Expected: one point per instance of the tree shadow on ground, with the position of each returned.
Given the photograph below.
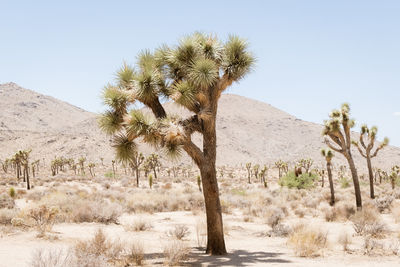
(236, 258)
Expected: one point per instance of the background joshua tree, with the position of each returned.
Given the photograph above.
(153, 163)
(338, 129)
(365, 150)
(282, 167)
(306, 164)
(328, 155)
(194, 74)
(263, 173)
(248, 168)
(256, 170)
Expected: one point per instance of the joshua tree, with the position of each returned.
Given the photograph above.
(365, 150)
(256, 170)
(91, 169)
(113, 168)
(282, 167)
(81, 162)
(151, 181)
(248, 168)
(194, 74)
(153, 163)
(394, 175)
(135, 160)
(328, 155)
(199, 182)
(263, 173)
(338, 128)
(306, 164)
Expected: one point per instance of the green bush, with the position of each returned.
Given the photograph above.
(303, 181)
(11, 192)
(344, 182)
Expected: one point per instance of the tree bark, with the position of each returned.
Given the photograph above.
(371, 177)
(215, 229)
(329, 169)
(356, 183)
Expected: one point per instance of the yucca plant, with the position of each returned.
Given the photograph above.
(338, 130)
(328, 155)
(193, 74)
(365, 150)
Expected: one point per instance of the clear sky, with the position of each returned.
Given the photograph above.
(311, 55)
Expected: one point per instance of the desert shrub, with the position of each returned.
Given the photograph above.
(179, 232)
(345, 210)
(300, 212)
(344, 240)
(344, 182)
(92, 211)
(52, 258)
(136, 253)
(303, 181)
(6, 215)
(44, 218)
(6, 201)
(138, 225)
(97, 250)
(279, 230)
(367, 222)
(306, 241)
(11, 192)
(330, 214)
(396, 212)
(383, 203)
(275, 216)
(175, 253)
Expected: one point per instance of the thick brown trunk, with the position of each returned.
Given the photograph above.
(356, 183)
(137, 177)
(371, 177)
(329, 169)
(215, 229)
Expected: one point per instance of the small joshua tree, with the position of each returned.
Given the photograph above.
(338, 130)
(263, 174)
(91, 169)
(282, 167)
(365, 150)
(328, 155)
(150, 181)
(153, 163)
(248, 168)
(306, 164)
(256, 170)
(193, 74)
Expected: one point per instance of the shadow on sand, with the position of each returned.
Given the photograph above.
(236, 258)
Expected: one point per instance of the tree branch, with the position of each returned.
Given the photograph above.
(332, 147)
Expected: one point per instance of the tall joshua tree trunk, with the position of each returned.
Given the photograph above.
(329, 169)
(356, 183)
(371, 177)
(215, 229)
(338, 129)
(365, 150)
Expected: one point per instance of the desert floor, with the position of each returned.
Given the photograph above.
(166, 224)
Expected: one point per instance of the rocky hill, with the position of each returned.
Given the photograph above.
(248, 131)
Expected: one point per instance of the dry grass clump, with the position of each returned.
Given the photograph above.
(383, 204)
(179, 232)
(136, 254)
(44, 218)
(6, 201)
(344, 240)
(52, 258)
(101, 212)
(6, 215)
(98, 250)
(344, 210)
(138, 225)
(306, 241)
(396, 211)
(176, 253)
(367, 222)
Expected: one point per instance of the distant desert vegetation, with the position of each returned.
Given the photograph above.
(83, 207)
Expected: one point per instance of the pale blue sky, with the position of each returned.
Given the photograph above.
(311, 55)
